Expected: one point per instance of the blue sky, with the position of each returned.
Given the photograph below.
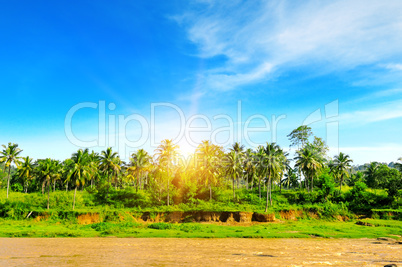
(336, 65)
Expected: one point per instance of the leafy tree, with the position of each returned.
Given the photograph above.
(398, 165)
(9, 155)
(355, 177)
(299, 136)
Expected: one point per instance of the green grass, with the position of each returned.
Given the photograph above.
(288, 229)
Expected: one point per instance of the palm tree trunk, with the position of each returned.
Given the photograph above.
(210, 193)
(270, 190)
(234, 195)
(259, 186)
(340, 187)
(75, 192)
(66, 186)
(54, 186)
(43, 187)
(266, 204)
(312, 183)
(168, 187)
(92, 182)
(108, 184)
(8, 179)
(48, 195)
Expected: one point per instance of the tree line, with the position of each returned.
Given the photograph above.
(210, 169)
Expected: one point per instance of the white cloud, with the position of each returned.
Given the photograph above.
(330, 35)
(384, 111)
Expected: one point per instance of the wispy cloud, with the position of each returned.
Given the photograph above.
(330, 36)
(381, 112)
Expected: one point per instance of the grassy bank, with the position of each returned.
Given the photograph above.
(287, 229)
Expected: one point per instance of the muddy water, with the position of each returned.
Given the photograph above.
(197, 252)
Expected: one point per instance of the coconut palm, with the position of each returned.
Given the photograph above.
(209, 156)
(342, 164)
(259, 164)
(233, 167)
(239, 150)
(9, 155)
(79, 170)
(93, 166)
(25, 171)
(139, 164)
(166, 154)
(249, 167)
(273, 165)
(309, 163)
(371, 175)
(47, 171)
(110, 165)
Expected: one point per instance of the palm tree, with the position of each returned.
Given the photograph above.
(25, 171)
(166, 153)
(139, 164)
(342, 164)
(209, 154)
(109, 164)
(9, 155)
(233, 167)
(309, 163)
(260, 170)
(93, 166)
(371, 176)
(249, 167)
(239, 150)
(46, 171)
(78, 170)
(273, 164)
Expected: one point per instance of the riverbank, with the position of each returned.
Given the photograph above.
(366, 228)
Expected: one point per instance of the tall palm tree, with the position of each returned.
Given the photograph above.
(273, 164)
(79, 170)
(309, 163)
(239, 150)
(9, 155)
(209, 156)
(25, 171)
(110, 165)
(139, 164)
(47, 173)
(371, 175)
(166, 153)
(233, 166)
(260, 166)
(342, 164)
(93, 166)
(249, 166)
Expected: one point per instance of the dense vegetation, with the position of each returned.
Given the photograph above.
(212, 179)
